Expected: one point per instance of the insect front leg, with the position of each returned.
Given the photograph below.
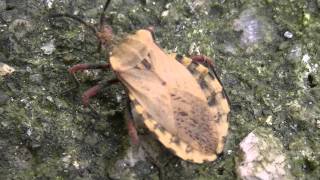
(81, 67)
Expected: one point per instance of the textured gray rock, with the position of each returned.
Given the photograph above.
(45, 133)
(263, 157)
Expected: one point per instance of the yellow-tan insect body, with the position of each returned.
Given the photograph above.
(181, 102)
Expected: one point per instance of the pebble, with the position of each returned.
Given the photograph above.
(5, 69)
(288, 34)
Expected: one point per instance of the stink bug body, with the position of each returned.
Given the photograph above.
(178, 99)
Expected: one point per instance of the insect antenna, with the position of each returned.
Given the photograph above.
(101, 22)
(102, 17)
(92, 28)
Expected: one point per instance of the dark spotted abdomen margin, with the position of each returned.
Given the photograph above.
(217, 99)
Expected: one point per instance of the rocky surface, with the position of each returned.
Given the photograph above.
(265, 51)
(263, 157)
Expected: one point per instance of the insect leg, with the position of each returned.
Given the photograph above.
(81, 67)
(203, 60)
(134, 138)
(95, 90)
(132, 131)
(92, 28)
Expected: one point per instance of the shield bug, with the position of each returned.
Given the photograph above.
(179, 99)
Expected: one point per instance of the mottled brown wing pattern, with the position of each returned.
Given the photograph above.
(187, 150)
(216, 98)
(194, 121)
(202, 128)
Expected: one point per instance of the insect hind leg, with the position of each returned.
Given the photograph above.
(81, 67)
(93, 91)
(203, 60)
(132, 131)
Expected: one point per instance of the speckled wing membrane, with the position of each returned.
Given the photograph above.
(218, 104)
(216, 97)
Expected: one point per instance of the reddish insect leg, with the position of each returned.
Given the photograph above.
(95, 90)
(90, 93)
(132, 131)
(203, 60)
(81, 67)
